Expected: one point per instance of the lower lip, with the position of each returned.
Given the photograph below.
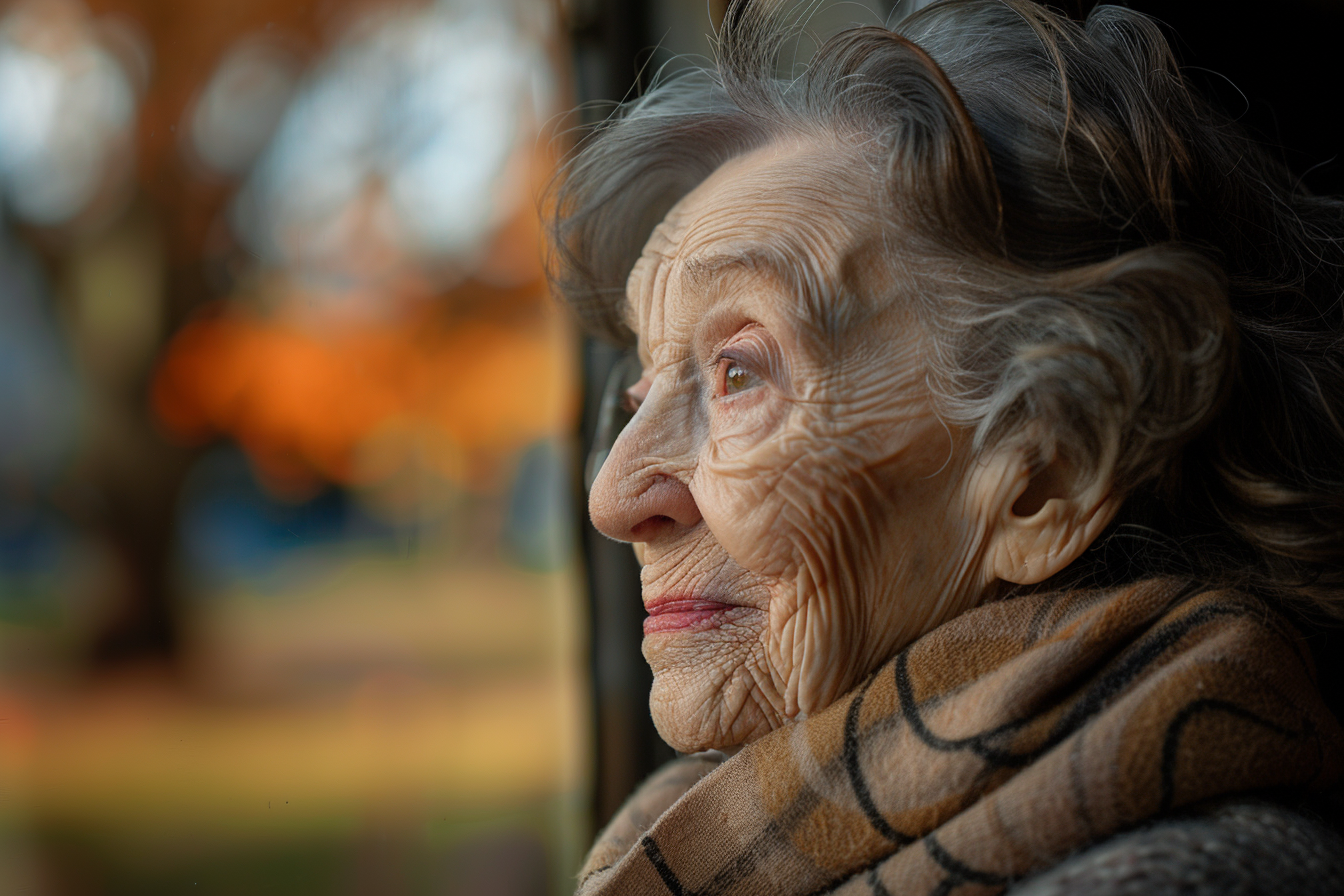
(684, 615)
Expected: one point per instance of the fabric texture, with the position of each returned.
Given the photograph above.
(989, 750)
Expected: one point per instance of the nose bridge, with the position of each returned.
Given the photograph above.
(665, 424)
(659, 441)
(647, 474)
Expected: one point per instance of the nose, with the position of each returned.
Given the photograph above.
(662, 506)
(641, 493)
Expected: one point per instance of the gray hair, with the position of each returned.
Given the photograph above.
(1104, 262)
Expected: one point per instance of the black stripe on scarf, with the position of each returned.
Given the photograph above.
(856, 781)
(655, 857)
(1147, 651)
(959, 872)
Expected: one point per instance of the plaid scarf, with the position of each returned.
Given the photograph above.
(989, 749)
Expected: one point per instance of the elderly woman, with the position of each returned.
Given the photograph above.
(986, 464)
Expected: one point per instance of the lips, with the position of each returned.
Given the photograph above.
(672, 614)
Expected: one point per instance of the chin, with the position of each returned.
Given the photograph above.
(692, 719)
(712, 683)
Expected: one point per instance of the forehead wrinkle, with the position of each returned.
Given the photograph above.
(822, 211)
(644, 280)
(664, 337)
(706, 274)
(809, 255)
(814, 285)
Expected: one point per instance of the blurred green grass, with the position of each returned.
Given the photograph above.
(382, 727)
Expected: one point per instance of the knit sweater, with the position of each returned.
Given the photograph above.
(1247, 847)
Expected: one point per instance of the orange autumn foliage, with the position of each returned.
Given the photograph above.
(304, 404)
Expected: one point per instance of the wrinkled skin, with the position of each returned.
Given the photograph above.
(789, 467)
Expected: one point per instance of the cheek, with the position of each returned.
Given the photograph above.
(739, 498)
(813, 480)
(782, 502)
(738, 474)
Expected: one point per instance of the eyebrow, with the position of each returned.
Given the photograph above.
(815, 290)
(705, 272)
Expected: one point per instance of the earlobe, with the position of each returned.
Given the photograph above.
(1044, 519)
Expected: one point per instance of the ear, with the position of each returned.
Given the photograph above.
(1042, 515)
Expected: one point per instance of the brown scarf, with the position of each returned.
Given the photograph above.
(989, 749)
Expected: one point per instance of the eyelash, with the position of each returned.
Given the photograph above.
(631, 398)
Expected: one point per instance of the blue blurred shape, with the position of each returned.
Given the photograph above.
(33, 544)
(539, 532)
(38, 393)
(232, 529)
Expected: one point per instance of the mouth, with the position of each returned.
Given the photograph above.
(680, 614)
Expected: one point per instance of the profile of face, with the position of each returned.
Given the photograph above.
(800, 509)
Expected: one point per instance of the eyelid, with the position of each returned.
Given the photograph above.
(755, 349)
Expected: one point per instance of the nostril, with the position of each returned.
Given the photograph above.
(650, 524)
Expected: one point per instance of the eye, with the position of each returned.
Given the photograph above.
(733, 377)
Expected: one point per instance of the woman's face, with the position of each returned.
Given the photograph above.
(800, 510)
